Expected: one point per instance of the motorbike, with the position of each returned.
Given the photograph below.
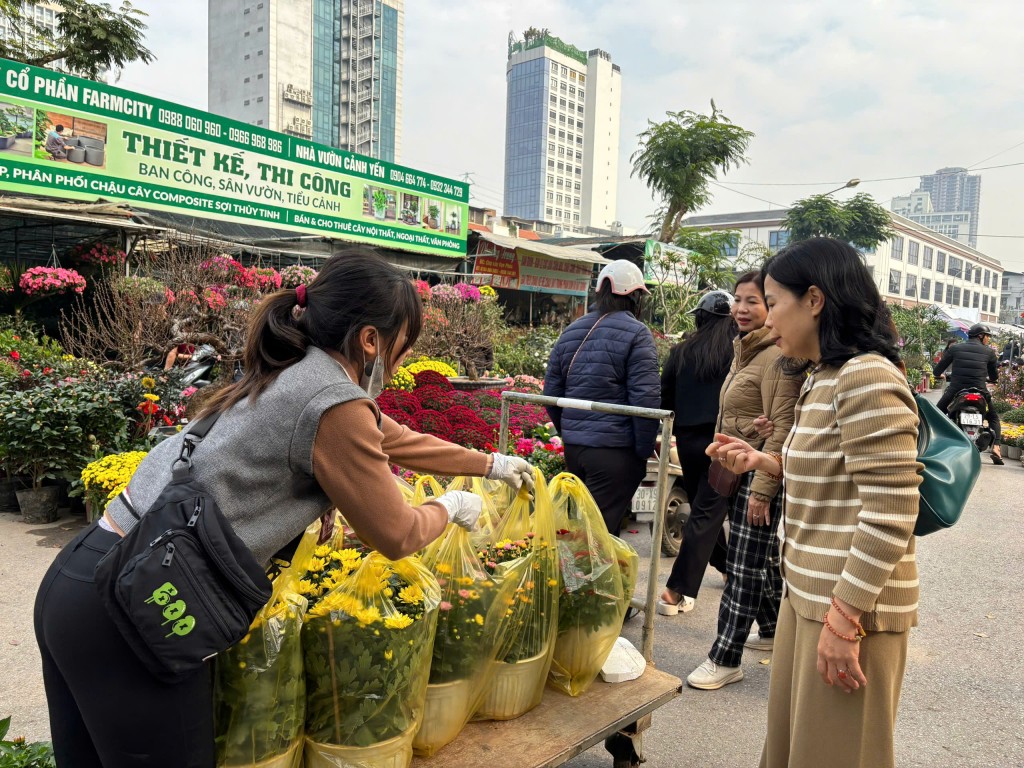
(969, 411)
(196, 372)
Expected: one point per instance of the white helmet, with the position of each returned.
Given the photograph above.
(624, 276)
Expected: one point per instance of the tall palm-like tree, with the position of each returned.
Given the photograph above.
(678, 157)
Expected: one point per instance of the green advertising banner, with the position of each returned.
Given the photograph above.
(126, 147)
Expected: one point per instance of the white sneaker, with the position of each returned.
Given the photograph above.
(710, 677)
(685, 605)
(758, 643)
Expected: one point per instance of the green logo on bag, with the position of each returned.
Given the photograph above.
(173, 611)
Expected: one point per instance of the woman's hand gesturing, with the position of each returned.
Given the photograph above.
(738, 456)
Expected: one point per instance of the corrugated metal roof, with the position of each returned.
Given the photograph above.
(563, 253)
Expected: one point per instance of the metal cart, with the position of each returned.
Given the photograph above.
(562, 726)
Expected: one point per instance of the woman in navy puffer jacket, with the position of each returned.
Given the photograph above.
(608, 356)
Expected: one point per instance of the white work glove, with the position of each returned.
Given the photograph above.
(463, 508)
(511, 470)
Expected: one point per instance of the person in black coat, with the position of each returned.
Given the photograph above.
(691, 384)
(974, 365)
(607, 356)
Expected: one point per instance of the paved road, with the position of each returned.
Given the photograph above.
(963, 703)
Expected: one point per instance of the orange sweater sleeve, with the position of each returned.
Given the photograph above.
(351, 464)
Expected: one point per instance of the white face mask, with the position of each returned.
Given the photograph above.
(373, 382)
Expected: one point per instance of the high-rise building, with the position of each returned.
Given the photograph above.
(917, 206)
(326, 70)
(954, 190)
(561, 134)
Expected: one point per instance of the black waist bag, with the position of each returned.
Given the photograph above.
(181, 586)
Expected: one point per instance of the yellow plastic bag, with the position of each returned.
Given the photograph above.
(259, 695)
(524, 553)
(366, 646)
(592, 603)
(487, 525)
(629, 566)
(472, 625)
(425, 489)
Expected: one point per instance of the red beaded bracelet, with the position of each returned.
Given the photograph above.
(834, 631)
(856, 624)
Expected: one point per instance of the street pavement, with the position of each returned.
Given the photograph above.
(962, 706)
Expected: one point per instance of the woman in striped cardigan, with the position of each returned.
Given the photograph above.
(851, 501)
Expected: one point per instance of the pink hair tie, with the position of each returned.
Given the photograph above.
(300, 295)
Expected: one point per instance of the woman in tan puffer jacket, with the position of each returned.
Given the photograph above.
(757, 388)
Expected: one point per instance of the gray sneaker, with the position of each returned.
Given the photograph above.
(758, 643)
(710, 677)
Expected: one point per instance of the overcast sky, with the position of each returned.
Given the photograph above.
(832, 90)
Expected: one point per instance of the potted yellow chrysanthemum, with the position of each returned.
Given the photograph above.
(367, 646)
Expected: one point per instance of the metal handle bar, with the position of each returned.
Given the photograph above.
(666, 418)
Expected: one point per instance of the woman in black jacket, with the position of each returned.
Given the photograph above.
(690, 385)
(607, 356)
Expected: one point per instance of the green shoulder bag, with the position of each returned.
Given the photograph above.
(951, 468)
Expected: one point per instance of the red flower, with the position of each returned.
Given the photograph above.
(47, 370)
(148, 408)
(15, 355)
(434, 423)
(432, 378)
(434, 398)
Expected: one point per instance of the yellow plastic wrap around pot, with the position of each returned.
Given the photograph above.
(393, 753)
(472, 625)
(524, 553)
(593, 599)
(259, 688)
(629, 566)
(366, 645)
(487, 524)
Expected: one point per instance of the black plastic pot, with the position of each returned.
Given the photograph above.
(38, 505)
(8, 497)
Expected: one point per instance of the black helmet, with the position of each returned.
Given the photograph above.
(978, 330)
(715, 303)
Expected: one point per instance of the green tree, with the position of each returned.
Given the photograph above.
(860, 220)
(679, 157)
(679, 278)
(922, 332)
(752, 256)
(90, 37)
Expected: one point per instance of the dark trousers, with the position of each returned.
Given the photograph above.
(703, 537)
(106, 709)
(754, 589)
(612, 476)
(993, 418)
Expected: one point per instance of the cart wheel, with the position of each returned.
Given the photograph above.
(677, 512)
(621, 748)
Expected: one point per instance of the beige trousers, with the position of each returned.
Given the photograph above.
(811, 724)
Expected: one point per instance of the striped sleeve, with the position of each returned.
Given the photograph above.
(878, 425)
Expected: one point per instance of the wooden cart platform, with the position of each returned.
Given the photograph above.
(560, 728)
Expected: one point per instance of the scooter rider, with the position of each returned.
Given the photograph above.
(974, 366)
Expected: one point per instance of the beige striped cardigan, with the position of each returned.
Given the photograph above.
(851, 484)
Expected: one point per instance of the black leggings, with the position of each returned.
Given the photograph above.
(106, 709)
(612, 476)
(703, 535)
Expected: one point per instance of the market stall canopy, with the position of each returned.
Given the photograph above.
(532, 266)
(33, 229)
(538, 248)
